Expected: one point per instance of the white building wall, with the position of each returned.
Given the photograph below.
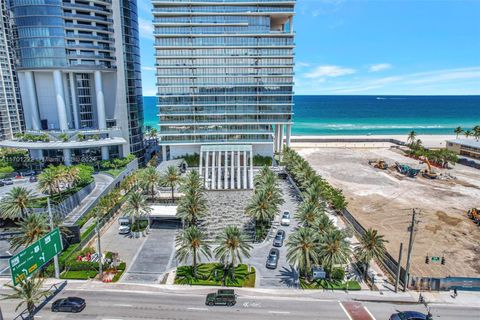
(46, 97)
(110, 86)
(26, 103)
(177, 151)
(263, 150)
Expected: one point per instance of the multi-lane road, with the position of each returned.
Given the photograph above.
(127, 304)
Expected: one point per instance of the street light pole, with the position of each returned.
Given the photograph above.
(55, 258)
(410, 248)
(99, 248)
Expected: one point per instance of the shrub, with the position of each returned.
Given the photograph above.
(79, 275)
(6, 171)
(81, 265)
(192, 160)
(117, 276)
(338, 274)
(261, 161)
(122, 266)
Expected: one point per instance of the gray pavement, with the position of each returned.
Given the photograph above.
(155, 256)
(20, 183)
(285, 276)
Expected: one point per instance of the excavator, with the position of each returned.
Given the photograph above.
(428, 173)
(474, 214)
(379, 164)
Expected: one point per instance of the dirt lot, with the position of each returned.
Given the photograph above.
(383, 200)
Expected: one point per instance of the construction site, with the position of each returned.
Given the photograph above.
(383, 185)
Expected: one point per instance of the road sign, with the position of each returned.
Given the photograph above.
(35, 256)
(435, 259)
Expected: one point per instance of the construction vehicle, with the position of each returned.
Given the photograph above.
(429, 172)
(406, 170)
(379, 164)
(474, 214)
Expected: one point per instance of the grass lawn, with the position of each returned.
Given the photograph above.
(331, 285)
(79, 275)
(210, 274)
(113, 172)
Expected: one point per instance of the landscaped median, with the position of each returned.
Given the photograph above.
(330, 284)
(211, 274)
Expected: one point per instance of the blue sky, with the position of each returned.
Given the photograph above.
(403, 47)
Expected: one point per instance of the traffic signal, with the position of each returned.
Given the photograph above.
(443, 261)
(427, 259)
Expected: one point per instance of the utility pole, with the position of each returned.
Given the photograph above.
(410, 248)
(55, 258)
(100, 263)
(397, 279)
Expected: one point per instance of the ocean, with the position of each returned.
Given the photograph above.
(374, 115)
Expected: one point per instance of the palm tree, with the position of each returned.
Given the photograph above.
(193, 205)
(16, 203)
(458, 131)
(411, 137)
(171, 179)
(149, 180)
(192, 181)
(48, 181)
(476, 132)
(261, 208)
(192, 242)
(308, 213)
(32, 228)
(29, 292)
(372, 246)
(72, 175)
(302, 251)
(334, 249)
(232, 246)
(468, 134)
(153, 133)
(136, 207)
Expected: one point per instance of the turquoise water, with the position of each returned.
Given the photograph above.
(375, 115)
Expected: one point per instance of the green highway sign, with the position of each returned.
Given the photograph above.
(35, 256)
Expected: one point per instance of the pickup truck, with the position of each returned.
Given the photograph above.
(224, 297)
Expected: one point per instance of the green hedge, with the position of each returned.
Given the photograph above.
(260, 161)
(82, 265)
(79, 275)
(118, 275)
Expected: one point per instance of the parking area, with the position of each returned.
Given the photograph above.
(19, 183)
(4, 256)
(284, 276)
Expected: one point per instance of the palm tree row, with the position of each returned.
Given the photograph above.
(193, 204)
(310, 183)
(441, 157)
(266, 200)
(52, 178)
(475, 132)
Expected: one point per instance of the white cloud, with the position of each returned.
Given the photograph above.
(145, 28)
(379, 67)
(146, 68)
(301, 64)
(328, 71)
(149, 92)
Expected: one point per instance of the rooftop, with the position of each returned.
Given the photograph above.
(466, 142)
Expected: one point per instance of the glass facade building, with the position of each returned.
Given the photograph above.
(79, 73)
(224, 73)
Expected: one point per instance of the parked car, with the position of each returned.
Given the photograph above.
(285, 219)
(33, 179)
(70, 304)
(410, 315)
(124, 223)
(7, 181)
(225, 297)
(124, 230)
(2, 184)
(279, 237)
(272, 259)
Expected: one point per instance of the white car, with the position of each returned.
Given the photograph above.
(285, 219)
(124, 230)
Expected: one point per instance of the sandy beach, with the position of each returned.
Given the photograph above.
(383, 199)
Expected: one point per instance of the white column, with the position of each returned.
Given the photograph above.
(214, 181)
(102, 122)
(219, 167)
(60, 96)
(73, 95)
(251, 170)
(32, 96)
(105, 154)
(67, 157)
(200, 169)
(245, 166)
(239, 166)
(289, 133)
(232, 170)
(207, 170)
(225, 171)
(280, 147)
(275, 139)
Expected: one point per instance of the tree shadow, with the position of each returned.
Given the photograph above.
(288, 276)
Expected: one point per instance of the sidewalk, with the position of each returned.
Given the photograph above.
(464, 298)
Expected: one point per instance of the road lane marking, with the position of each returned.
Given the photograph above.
(112, 319)
(279, 312)
(123, 305)
(368, 311)
(198, 309)
(4, 270)
(344, 310)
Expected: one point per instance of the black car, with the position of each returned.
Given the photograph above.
(410, 315)
(225, 297)
(70, 304)
(272, 259)
(279, 237)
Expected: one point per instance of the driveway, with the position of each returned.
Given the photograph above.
(284, 276)
(155, 256)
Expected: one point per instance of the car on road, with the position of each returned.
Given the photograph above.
(2, 184)
(33, 179)
(272, 259)
(70, 304)
(285, 219)
(7, 181)
(410, 315)
(279, 237)
(223, 297)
